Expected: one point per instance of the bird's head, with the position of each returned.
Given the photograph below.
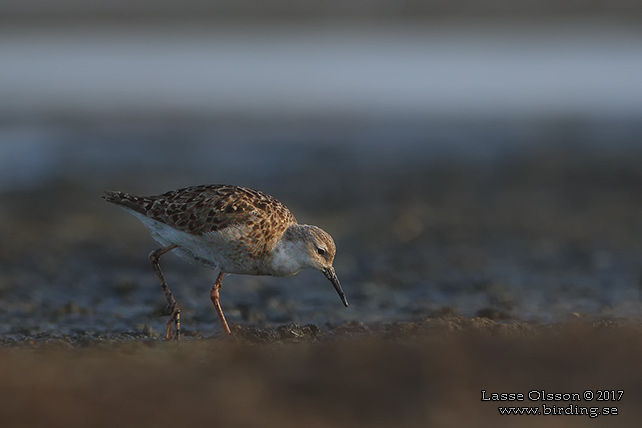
(307, 247)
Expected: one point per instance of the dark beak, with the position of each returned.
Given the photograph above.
(329, 273)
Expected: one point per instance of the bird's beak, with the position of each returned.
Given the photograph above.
(332, 276)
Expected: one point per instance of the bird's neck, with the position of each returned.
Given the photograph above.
(285, 258)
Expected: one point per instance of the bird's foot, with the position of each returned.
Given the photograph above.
(174, 312)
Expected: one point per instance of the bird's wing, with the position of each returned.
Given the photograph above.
(210, 208)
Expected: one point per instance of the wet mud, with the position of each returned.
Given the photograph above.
(508, 268)
(434, 371)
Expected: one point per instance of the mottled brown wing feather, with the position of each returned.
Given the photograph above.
(210, 208)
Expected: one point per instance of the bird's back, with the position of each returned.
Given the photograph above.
(206, 209)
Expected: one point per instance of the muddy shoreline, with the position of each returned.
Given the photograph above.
(408, 374)
(537, 235)
(505, 267)
(442, 325)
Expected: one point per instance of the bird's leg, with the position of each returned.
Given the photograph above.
(172, 307)
(214, 297)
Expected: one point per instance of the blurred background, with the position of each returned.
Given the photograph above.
(478, 158)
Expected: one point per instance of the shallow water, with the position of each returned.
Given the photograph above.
(449, 69)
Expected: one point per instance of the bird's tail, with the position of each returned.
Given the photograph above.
(113, 197)
(126, 200)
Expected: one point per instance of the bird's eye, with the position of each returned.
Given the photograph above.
(321, 251)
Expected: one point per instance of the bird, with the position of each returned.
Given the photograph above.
(232, 230)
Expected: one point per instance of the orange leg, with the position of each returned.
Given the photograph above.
(172, 307)
(214, 296)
